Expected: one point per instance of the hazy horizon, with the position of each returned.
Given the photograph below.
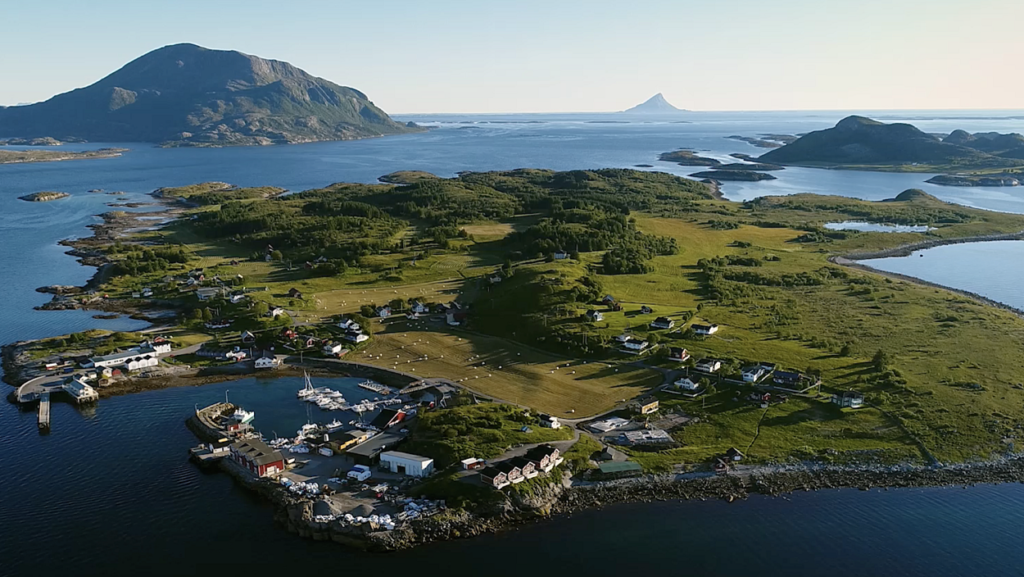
(459, 57)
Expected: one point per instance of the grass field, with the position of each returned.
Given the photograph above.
(526, 376)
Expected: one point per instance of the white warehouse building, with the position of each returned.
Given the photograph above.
(407, 463)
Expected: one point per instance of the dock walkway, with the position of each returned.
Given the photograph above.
(44, 411)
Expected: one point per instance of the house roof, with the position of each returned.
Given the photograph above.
(376, 445)
(491, 472)
(407, 456)
(663, 320)
(257, 451)
(506, 466)
(539, 452)
(386, 418)
(520, 462)
(850, 395)
(787, 376)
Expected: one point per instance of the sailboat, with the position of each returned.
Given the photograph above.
(307, 390)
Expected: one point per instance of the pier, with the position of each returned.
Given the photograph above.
(44, 411)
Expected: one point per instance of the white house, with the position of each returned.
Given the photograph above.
(275, 312)
(594, 316)
(495, 279)
(147, 292)
(332, 348)
(637, 345)
(686, 384)
(143, 361)
(267, 363)
(235, 299)
(561, 255)
(550, 422)
(383, 312)
(662, 323)
(753, 374)
(207, 293)
(355, 336)
(704, 329)
(406, 463)
(160, 347)
(140, 357)
(622, 338)
(420, 308)
(708, 365)
(351, 325)
(80, 391)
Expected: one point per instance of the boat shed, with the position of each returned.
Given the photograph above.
(407, 463)
(368, 452)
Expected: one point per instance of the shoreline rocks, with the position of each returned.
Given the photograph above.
(46, 196)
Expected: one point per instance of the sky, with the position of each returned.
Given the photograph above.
(486, 56)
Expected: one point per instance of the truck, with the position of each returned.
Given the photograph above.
(359, 473)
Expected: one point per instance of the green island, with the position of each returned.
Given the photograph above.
(19, 156)
(45, 196)
(717, 330)
(859, 143)
(553, 267)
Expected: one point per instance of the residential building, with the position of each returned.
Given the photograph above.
(294, 293)
(248, 338)
(512, 472)
(787, 378)
(608, 299)
(634, 345)
(349, 325)
(495, 279)
(420, 308)
(544, 457)
(687, 384)
(455, 317)
(207, 293)
(330, 349)
(407, 464)
(473, 464)
(235, 299)
(646, 310)
(526, 467)
(494, 477)
(662, 323)
(645, 405)
(257, 457)
(708, 365)
(267, 363)
(678, 354)
(80, 391)
(705, 330)
(753, 374)
(147, 292)
(355, 336)
(561, 255)
(734, 454)
(594, 316)
(383, 312)
(849, 399)
(549, 421)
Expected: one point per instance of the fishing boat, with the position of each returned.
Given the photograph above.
(334, 425)
(308, 390)
(242, 416)
(307, 430)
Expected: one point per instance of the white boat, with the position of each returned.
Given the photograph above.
(243, 416)
(324, 402)
(308, 390)
(334, 425)
(306, 430)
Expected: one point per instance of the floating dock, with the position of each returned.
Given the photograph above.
(44, 411)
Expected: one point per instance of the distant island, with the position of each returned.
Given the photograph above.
(46, 196)
(737, 175)
(857, 142)
(766, 140)
(654, 105)
(18, 156)
(687, 158)
(40, 141)
(186, 95)
(974, 180)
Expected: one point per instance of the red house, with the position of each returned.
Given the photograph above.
(257, 457)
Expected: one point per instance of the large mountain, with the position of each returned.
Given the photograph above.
(654, 105)
(856, 140)
(188, 95)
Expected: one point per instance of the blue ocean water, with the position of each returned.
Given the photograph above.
(110, 491)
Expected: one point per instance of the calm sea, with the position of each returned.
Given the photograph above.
(109, 491)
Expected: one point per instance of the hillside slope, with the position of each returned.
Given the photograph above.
(188, 95)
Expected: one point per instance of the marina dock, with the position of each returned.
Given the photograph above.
(44, 411)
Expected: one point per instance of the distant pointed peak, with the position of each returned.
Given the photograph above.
(655, 104)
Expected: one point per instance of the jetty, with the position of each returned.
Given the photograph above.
(375, 387)
(44, 411)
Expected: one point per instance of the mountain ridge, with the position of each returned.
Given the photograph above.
(187, 95)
